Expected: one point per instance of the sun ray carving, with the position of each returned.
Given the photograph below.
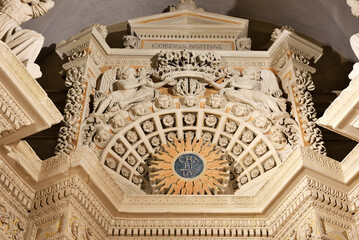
(189, 168)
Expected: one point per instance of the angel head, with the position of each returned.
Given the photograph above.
(163, 101)
(126, 73)
(241, 110)
(190, 100)
(278, 137)
(118, 121)
(139, 109)
(252, 73)
(216, 100)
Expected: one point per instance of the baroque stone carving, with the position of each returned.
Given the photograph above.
(243, 44)
(127, 89)
(263, 94)
(186, 4)
(11, 227)
(278, 31)
(187, 70)
(72, 112)
(127, 97)
(131, 42)
(303, 86)
(26, 44)
(12, 116)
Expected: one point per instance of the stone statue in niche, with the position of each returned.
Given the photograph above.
(256, 88)
(127, 88)
(25, 44)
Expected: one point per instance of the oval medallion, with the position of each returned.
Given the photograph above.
(189, 165)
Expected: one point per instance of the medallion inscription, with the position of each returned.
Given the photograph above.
(189, 165)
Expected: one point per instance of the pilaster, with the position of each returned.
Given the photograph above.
(85, 54)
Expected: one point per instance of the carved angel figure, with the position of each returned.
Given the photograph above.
(130, 89)
(26, 44)
(247, 89)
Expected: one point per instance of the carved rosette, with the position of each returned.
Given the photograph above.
(189, 167)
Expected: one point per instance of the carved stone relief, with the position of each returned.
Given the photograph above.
(138, 113)
(11, 227)
(72, 112)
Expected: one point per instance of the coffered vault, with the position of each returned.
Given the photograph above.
(185, 132)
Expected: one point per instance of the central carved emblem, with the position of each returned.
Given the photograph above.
(189, 167)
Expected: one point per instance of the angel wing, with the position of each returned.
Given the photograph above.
(269, 84)
(107, 80)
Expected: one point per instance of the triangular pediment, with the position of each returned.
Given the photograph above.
(190, 27)
(189, 17)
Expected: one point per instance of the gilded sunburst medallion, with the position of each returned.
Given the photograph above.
(189, 168)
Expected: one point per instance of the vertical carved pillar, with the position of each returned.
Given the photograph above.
(297, 82)
(85, 54)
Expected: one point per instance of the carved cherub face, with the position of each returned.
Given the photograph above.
(127, 73)
(163, 102)
(261, 122)
(252, 73)
(240, 110)
(278, 137)
(189, 101)
(118, 121)
(139, 109)
(215, 101)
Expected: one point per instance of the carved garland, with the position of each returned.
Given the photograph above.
(73, 109)
(307, 113)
